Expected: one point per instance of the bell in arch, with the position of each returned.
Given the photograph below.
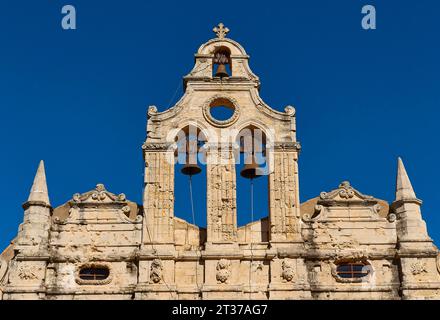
(191, 167)
(221, 71)
(251, 169)
(221, 58)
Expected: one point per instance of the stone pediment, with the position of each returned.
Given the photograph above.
(99, 196)
(344, 193)
(345, 203)
(97, 204)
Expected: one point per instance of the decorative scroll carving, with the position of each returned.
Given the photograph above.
(27, 273)
(392, 217)
(152, 110)
(418, 267)
(100, 194)
(290, 110)
(125, 215)
(223, 270)
(156, 269)
(345, 192)
(288, 270)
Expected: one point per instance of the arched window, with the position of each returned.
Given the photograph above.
(352, 270)
(252, 176)
(190, 176)
(94, 273)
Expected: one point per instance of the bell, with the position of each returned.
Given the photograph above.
(250, 170)
(190, 169)
(221, 71)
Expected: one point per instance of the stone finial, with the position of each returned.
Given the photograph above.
(404, 189)
(39, 191)
(221, 31)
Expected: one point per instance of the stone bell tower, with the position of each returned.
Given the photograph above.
(221, 77)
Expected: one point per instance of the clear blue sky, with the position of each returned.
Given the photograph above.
(78, 99)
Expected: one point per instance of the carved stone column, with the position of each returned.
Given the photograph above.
(221, 194)
(159, 193)
(283, 194)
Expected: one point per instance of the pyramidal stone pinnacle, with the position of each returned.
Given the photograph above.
(404, 189)
(39, 191)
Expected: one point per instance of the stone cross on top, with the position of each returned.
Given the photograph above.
(221, 31)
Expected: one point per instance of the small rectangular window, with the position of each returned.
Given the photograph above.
(352, 270)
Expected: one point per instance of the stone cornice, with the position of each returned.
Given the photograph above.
(157, 146)
(287, 146)
(28, 204)
(399, 203)
(33, 257)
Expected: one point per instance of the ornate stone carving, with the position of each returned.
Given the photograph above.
(157, 146)
(290, 110)
(285, 146)
(221, 196)
(126, 210)
(392, 217)
(221, 31)
(418, 267)
(221, 123)
(156, 269)
(223, 270)
(345, 191)
(100, 194)
(288, 270)
(27, 273)
(152, 110)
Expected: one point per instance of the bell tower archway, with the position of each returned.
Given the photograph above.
(221, 98)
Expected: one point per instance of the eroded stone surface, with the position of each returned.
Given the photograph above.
(293, 253)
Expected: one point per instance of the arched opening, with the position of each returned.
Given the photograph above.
(352, 269)
(94, 273)
(221, 63)
(190, 176)
(252, 171)
(221, 110)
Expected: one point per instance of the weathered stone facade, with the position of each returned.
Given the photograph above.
(340, 245)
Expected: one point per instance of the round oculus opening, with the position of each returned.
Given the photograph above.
(221, 110)
(221, 113)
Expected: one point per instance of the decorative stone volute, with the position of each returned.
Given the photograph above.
(345, 192)
(98, 195)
